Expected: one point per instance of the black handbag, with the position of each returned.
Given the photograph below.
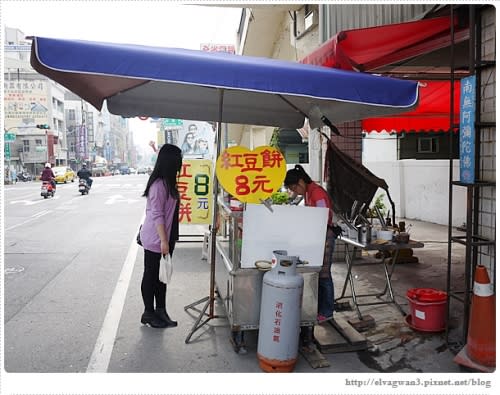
(138, 238)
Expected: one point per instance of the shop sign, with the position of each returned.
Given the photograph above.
(166, 122)
(25, 99)
(6, 151)
(251, 176)
(195, 189)
(82, 142)
(210, 47)
(9, 137)
(467, 130)
(17, 48)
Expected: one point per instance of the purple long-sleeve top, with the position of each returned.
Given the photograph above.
(160, 209)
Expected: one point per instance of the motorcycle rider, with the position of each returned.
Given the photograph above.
(48, 175)
(85, 174)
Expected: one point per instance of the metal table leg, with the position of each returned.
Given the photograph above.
(349, 257)
(388, 284)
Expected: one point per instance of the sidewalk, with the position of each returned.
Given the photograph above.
(393, 346)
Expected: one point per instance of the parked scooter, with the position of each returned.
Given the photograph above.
(24, 176)
(47, 190)
(83, 186)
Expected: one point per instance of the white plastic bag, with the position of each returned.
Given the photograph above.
(166, 269)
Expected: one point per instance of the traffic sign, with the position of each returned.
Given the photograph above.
(9, 137)
(172, 122)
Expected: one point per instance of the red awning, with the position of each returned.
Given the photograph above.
(369, 48)
(432, 113)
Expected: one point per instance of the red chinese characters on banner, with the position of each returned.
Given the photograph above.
(185, 209)
(278, 314)
(251, 176)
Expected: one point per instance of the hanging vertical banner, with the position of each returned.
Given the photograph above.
(82, 143)
(467, 130)
(6, 150)
(195, 189)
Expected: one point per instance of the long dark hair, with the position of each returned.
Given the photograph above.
(167, 167)
(294, 175)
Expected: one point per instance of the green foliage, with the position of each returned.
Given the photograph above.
(279, 197)
(379, 203)
(275, 138)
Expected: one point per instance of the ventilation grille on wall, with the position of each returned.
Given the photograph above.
(305, 19)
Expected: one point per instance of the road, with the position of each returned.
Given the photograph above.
(63, 258)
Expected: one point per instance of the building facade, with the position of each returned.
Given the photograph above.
(420, 186)
(50, 123)
(296, 31)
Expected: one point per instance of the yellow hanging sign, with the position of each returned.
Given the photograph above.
(250, 176)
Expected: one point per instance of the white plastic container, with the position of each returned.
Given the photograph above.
(385, 235)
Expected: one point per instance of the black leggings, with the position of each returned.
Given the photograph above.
(153, 289)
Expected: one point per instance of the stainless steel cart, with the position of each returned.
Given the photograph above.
(240, 288)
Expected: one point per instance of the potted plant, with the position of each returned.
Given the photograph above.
(378, 203)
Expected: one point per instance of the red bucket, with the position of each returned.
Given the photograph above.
(427, 309)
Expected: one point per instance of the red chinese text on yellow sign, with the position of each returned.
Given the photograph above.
(251, 175)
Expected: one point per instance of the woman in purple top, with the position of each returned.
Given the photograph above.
(159, 232)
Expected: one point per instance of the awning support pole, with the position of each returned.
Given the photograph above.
(209, 300)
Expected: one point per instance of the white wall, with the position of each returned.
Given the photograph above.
(419, 189)
(379, 147)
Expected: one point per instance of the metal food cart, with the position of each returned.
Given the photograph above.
(240, 286)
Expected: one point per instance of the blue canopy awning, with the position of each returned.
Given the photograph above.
(139, 80)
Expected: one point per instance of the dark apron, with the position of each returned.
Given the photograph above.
(174, 229)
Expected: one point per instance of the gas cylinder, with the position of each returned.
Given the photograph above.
(280, 310)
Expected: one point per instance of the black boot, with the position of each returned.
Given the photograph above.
(151, 319)
(162, 313)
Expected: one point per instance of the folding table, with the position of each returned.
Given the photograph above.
(388, 264)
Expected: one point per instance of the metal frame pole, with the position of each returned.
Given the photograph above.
(209, 300)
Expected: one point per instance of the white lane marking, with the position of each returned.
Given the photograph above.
(99, 360)
(32, 202)
(27, 202)
(32, 218)
(40, 214)
(119, 198)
